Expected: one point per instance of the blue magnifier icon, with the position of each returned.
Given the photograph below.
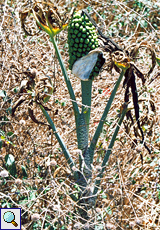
(9, 217)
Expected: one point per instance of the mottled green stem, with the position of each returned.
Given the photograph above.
(86, 87)
(103, 118)
(67, 80)
(106, 157)
(83, 127)
(59, 139)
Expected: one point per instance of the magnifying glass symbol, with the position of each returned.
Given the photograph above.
(9, 217)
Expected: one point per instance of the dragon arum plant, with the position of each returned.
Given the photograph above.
(85, 60)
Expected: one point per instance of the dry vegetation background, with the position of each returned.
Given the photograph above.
(39, 179)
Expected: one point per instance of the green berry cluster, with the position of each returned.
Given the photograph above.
(82, 38)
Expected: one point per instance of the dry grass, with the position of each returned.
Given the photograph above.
(130, 192)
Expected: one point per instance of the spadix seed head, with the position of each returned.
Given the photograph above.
(82, 38)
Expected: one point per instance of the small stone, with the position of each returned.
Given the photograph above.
(78, 151)
(138, 221)
(138, 149)
(53, 163)
(132, 224)
(4, 173)
(22, 122)
(74, 169)
(18, 181)
(35, 217)
(110, 226)
(98, 210)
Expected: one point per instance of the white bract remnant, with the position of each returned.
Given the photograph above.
(83, 67)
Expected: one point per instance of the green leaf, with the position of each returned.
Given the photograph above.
(6, 204)
(10, 163)
(32, 196)
(16, 90)
(25, 175)
(9, 110)
(0, 144)
(108, 210)
(12, 169)
(2, 93)
(2, 133)
(9, 134)
(39, 168)
(9, 158)
(100, 91)
(31, 92)
(63, 103)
